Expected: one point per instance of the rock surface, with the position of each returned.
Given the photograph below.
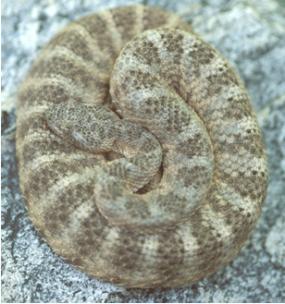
(251, 34)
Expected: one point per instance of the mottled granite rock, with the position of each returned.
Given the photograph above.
(275, 242)
(252, 35)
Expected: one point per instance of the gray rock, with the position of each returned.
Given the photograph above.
(252, 35)
(275, 242)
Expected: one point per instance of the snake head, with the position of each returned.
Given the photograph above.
(61, 119)
(86, 126)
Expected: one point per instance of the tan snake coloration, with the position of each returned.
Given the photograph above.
(140, 157)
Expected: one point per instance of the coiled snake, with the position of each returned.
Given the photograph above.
(140, 157)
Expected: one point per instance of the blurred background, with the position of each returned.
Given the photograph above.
(251, 34)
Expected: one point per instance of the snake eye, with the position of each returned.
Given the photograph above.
(79, 138)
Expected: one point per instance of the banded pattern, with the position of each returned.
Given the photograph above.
(140, 157)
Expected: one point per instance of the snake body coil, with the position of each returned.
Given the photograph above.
(139, 153)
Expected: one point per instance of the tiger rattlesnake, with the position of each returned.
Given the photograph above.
(140, 157)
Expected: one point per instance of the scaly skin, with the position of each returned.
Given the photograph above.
(140, 157)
